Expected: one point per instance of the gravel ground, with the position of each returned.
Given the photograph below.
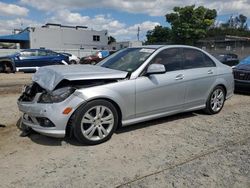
(185, 150)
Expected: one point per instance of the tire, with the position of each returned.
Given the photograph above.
(2, 68)
(215, 101)
(8, 68)
(92, 62)
(91, 129)
(72, 62)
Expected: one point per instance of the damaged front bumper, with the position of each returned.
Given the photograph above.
(48, 118)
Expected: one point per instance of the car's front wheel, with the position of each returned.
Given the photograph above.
(72, 62)
(95, 122)
(215, 101)
(2, 68)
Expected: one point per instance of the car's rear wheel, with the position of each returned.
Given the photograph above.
(95, 122)
(215, 101)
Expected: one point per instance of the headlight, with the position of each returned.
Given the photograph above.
(58, 95)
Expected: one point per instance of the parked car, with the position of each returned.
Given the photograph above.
(73, 59)
(31, 60)
(228, 59)
(95, 58)
(131, 86)
(242, 75)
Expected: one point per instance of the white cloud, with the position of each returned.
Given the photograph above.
(117, 29)
(67, 12)
(153, 8)
(7, 26)
(130, 33)
(120, 31)
(12, 10)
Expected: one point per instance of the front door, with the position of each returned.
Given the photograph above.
(162, 93)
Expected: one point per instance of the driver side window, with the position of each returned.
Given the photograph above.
(170, 58)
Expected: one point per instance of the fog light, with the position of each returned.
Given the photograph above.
(27, 117)
(45, 122)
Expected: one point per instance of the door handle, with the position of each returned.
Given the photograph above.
(179, 77)
(210, 71)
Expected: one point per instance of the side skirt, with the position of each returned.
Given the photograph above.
(159, 115)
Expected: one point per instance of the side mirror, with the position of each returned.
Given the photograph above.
(156, 69)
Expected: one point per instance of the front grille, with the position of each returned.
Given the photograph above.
(241, 75)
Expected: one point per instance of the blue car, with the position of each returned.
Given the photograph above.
(31, 60)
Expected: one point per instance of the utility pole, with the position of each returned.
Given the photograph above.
(138, 33)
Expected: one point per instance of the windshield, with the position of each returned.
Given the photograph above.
(128, 59)
(245, 61)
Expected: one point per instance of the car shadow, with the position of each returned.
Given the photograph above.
(64, 142)
(49, 141)
(156, 122)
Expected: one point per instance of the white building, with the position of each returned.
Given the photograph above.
(57, 36)
(124, 44)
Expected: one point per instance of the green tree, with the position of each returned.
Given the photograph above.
(235, 26)
(237, 22)
(242, 20)
(189, 24)
(158, 35)
(111, 39)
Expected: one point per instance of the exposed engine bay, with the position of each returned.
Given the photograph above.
(30, 91)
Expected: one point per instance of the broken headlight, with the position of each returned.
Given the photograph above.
(56, 96)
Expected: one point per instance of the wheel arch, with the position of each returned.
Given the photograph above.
(224, 87)
(69, 126)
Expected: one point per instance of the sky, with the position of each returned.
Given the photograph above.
(120, 17)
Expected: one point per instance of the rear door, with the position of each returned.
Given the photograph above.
(200, 75)
(55, 58)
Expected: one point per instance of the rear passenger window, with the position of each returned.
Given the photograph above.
(170, 58)
(208, 61)
(51, 53)
(196, 59)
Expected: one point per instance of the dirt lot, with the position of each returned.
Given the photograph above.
(186, 150)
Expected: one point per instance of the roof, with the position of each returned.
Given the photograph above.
(169, 45)
(153, 46)
(23, 36)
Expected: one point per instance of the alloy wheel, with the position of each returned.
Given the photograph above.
(217, 100)
(97, 123)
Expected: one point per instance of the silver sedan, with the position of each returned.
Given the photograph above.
(131, 86)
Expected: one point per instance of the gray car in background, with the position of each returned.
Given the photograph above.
(131, 86)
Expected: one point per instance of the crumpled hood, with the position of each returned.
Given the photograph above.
(49, 77)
